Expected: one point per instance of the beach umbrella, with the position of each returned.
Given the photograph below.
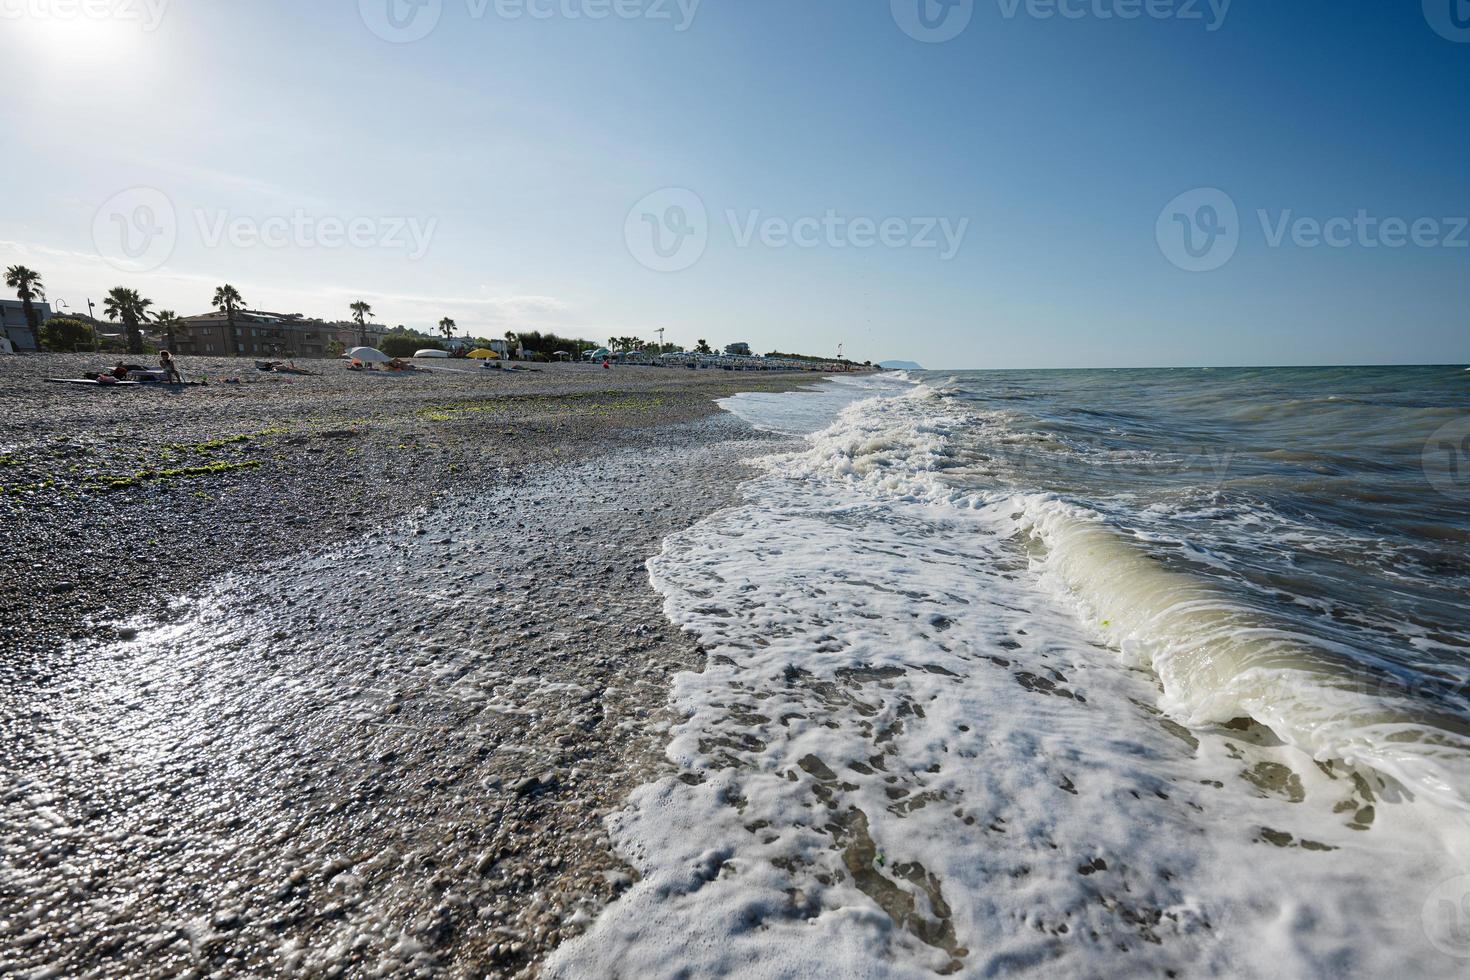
(482, 354)
(368, 355)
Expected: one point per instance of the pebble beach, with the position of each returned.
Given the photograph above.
(336, 674)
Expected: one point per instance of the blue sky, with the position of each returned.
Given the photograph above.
(499, 171)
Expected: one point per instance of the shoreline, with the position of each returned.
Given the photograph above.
(376, 745)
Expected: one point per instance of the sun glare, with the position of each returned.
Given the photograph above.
(74, 40)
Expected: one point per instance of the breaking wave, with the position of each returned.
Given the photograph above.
(958, 719)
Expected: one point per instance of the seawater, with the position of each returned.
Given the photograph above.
(1071, 674)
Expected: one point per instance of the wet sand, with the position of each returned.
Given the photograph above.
(359, 703)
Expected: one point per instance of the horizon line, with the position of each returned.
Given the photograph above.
(1196, 367)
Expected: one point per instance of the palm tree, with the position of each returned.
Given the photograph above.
(167, 320)
(118, 305)
(703, 347)
(446, 326)
(227, 300)
(510, 343)
(360, 313)
(27, 285)
(126, 306)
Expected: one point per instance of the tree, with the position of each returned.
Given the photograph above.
(360, 313)
(510, 343)
(167, 321)
(64, 334)
(549, 343)
(404, 344)
(625, 343)
(227, 299)
(446, 327)
(125, 306)
(703, 347)
(28, 286)
(335, 348)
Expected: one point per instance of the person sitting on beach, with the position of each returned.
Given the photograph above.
(170, 368)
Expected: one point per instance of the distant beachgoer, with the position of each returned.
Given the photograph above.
(120, 372)
(170, 367)
(606, 364)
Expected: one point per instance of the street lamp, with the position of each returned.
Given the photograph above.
(92, 322)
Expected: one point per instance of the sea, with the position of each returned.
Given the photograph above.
(1069, 674)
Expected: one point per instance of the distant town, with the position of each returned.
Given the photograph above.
(129, 324)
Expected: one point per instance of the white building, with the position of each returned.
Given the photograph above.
(13, 325)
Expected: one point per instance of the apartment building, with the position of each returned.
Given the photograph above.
(13, 325)
(264, 334)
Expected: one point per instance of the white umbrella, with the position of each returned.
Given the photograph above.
(368, 355)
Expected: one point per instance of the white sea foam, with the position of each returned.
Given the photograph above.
(807, 410)
(908, 752)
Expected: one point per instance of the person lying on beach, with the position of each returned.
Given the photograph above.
(170, 368)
